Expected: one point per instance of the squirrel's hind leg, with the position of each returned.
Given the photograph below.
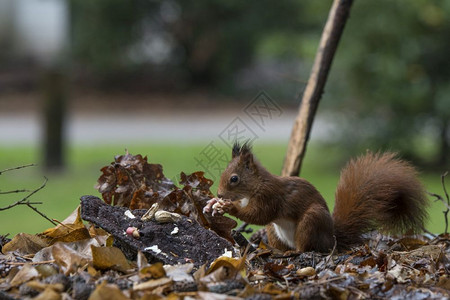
(315, 230)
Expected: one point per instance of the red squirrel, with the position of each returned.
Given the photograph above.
(375, 191)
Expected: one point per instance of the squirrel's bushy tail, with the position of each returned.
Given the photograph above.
(378, 191)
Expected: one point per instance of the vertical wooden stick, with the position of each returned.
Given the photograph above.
(331, 35)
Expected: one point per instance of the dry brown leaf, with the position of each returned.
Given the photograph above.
(444, 282)
(403, 274)
(105, 258)
(48, 294)
(275, 270)
(26, 273)
(236, 264)
(82, 247)
(70, 230)
(151, 296)
(152, 284)
(179, 272)
(272, 289)
(39, 286)
(25, 243)
(69, 260)
(214, 296)
(411, 243)
(105, 291)
(155, 271)
(131, 181)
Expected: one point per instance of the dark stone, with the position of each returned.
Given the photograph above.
(5, 296)
(192, 243)
(58, 278)
(25, 290)
(81, 290)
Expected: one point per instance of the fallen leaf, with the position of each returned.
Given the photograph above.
(234, 264)
(155, 271)
(48, 294)
(26, 273)
(403, 274)
(179, 272)
(70, 230)
(444, 282)
(105, 291)
(272, 289)
(275, 270)
(411, 243)
(214, 296)
(69, 260)
(105, 258)
(25, 243)
(152, 284)
(224, 268)
(39, 286)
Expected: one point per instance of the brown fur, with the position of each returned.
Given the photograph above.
(378, 191)
(375, 191)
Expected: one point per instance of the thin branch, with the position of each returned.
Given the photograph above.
(443, 186)
(448, 201)
(330, 256)
(25, 201)
(439, 198)
(40, 213)
(17, 168)
(243, 228)
(30, 263)
(14, 192)
(444, 202)
(329, 41)
(429, 232)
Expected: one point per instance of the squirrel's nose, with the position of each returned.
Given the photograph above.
(219, 195)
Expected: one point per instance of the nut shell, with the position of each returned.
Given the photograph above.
(162, 216)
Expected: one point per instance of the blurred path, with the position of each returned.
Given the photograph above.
(114, 124)
(25, 129)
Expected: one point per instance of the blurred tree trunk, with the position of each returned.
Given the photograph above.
(54, 105)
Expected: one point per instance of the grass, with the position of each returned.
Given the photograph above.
(63, 190)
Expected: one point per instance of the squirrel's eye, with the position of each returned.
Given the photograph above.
(234, 179)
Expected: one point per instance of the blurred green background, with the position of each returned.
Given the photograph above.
(82, 80)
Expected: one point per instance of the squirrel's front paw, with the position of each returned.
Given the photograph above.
(222, 206)
(218, 206)
(210, 205)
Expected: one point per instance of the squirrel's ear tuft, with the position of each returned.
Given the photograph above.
(236, 150)
(245, 149)
(244, 153)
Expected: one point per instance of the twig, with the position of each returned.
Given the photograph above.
(443, 186)
(243, 228)
(448, 201)
(320, 282)
(25, 201)
(440, 198)
(16, 191)
(331, 35)
(429, 232)
(332, 252)
(30, 263)
(17, 168)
